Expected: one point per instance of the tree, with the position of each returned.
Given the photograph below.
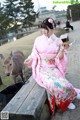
(27, 12)
(14, 12)
(11, 8)
(77, 0)
(74, 1)
(73, 12)
(3, 22)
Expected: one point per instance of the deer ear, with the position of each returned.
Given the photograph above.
(1, 56)
(11, 53)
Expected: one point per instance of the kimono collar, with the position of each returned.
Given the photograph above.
(52, 37)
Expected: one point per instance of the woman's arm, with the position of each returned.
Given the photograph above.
(28, 61)
(63, 48)
(61, 53)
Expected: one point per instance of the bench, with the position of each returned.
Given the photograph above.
(64, 37)
(30, 103)
(66, 29)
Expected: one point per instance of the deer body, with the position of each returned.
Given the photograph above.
(14, 65)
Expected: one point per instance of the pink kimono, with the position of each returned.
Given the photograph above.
(49, 71)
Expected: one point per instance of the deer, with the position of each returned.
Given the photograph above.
(14, 65)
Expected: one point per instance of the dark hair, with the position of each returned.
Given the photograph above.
(43, 26)
(48, 23)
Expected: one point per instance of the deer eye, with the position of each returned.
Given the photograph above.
(10, 64)
(3, 66)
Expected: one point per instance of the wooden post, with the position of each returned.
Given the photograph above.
(0, 81)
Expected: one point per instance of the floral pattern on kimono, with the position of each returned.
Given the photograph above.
(49, 71)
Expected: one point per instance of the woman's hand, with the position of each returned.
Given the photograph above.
(65, 45)
(28, 62)
(61, 52)
(62, 48)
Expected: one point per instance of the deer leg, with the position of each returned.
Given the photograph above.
(23, 79)
(23, 74)
(14, 78)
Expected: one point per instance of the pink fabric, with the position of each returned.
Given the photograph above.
(44, 47)
(49, 71)
(63, 63)
(77, 90)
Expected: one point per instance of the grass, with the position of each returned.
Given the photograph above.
(24, 44)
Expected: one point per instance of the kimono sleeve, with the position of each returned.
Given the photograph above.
(61, 63)
(60, 42)
(32, 55)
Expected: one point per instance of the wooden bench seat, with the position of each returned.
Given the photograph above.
(29, 103)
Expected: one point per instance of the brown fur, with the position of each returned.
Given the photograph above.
(14, 65)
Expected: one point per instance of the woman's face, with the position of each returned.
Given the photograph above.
(44, 31)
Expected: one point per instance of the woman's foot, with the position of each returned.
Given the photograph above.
(78, 93)
(71, 106)
(78, 96)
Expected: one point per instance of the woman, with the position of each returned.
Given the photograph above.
(48, 61)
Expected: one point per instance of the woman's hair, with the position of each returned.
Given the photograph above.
(48, 23)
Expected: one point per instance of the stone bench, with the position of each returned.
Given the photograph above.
(30, 103)
(66, 29)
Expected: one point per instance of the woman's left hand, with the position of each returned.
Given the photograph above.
(65, 45)
(28, 62)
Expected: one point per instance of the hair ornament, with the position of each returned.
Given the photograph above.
(50, 20)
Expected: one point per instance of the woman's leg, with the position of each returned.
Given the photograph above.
(59, 87)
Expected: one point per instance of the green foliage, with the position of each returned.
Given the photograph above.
(14, 12)
(27, 12)
(3, 22)
(74, 2)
